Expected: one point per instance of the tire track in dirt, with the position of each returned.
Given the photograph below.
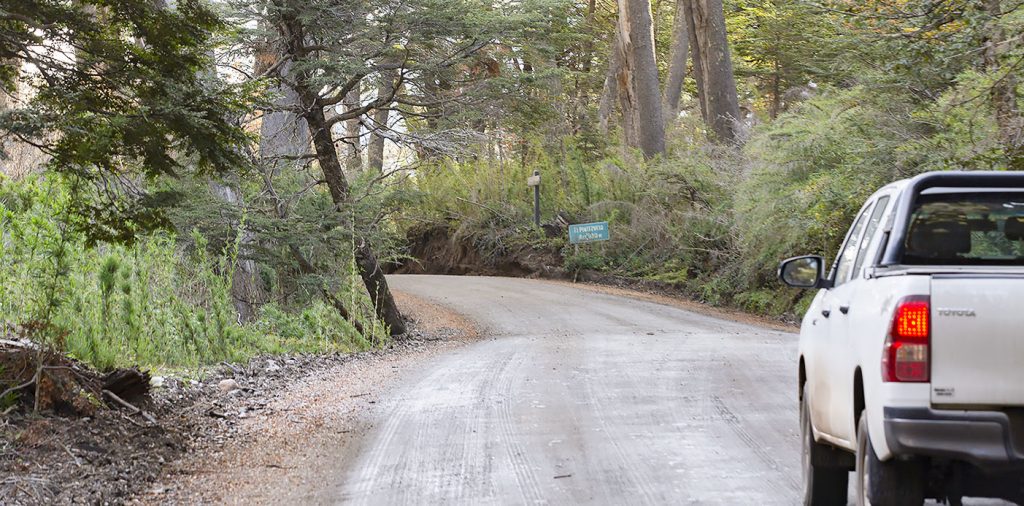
(612, 433)
(517, 456)
(368, 477)
(756, 447)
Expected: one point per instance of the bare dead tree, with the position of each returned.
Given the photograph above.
(353, 146)
(375, 148)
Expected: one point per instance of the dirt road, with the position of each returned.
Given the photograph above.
(582, 396)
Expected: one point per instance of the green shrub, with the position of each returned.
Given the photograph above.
(163, 301)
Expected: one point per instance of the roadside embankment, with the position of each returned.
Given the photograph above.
(442, 251)
(235, 432)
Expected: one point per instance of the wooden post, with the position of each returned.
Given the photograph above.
(534, 181)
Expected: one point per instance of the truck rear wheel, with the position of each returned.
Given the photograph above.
(892, 483)
(825, 478)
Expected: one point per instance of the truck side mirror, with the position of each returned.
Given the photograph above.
(803, 272)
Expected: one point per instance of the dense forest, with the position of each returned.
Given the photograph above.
(191, 181)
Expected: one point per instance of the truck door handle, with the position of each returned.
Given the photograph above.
(844, 309)
(825, 313)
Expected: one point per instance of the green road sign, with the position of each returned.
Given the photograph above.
(588, 232)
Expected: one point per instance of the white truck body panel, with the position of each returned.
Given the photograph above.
(832, 361)
(977, 341)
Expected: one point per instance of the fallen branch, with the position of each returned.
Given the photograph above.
(25, 345)
(132, 421)
(149, 418)
(235, 370)
(78, 462)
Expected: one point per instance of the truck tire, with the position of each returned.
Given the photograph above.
(825, 478)
(892, 483)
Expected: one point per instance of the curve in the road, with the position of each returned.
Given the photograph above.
(577, 396)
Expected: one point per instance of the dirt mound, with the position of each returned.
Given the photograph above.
(69, 433)
(435, 250)
(39, 380)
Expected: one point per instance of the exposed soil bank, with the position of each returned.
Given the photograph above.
(434, 250)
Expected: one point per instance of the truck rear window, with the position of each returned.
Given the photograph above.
(983, 228)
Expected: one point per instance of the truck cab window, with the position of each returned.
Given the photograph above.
(978, 228)
(876, 219)
(848, 253)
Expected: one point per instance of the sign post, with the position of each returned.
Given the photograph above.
(534, 181)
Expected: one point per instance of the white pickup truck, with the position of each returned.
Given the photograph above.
(911, 369)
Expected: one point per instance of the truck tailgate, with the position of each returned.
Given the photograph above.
(977, 342)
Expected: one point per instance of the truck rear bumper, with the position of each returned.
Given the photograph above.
(986, 439)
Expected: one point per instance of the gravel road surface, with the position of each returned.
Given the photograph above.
(576, 395)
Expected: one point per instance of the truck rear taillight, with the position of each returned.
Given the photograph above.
(906, 355)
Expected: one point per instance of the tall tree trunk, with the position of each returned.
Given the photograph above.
(697, 57)
(712, 66)
(375, 149)
(330, 164)
(776, 106)
(8, 100)
(627, 98)
(610, 91)
(284, 136)
(1004, 92)
(353, 155)
(377, 286)
(678, 56)
(643, 93)
(247, 291)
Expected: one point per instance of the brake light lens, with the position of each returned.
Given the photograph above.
(906, 356)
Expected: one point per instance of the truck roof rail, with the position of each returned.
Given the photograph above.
(908, 197)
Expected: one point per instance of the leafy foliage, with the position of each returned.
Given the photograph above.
(118, 90)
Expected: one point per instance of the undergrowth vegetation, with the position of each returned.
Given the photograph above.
(710, 219)
(161, 301)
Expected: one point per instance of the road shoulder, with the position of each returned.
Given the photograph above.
(676, 301)
(294, 448)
